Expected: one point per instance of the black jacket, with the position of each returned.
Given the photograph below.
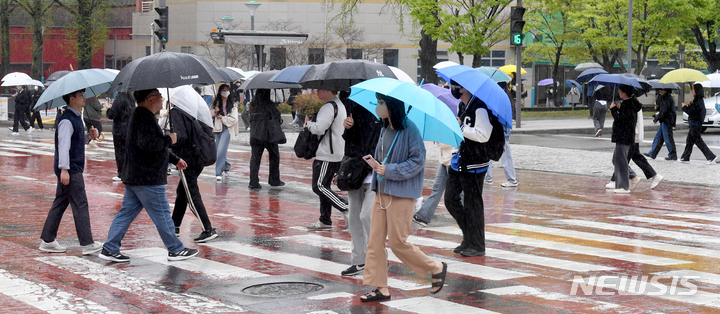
(666, 110)
(362, 138)
(120, 113)
(183, 126)
(474, 155)
(623, 130)
(695, 111)
(147, 152)
(264, 120)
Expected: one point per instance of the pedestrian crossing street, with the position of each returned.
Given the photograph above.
(526, 266)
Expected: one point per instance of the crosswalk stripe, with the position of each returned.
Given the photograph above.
(24, 150)
(118, 279)
(24, 178)
(454, 267)
(522, 290)
(212, 269)
(682, 236)
(9, 154)
(667, 222)
(305, 262)
(696, 216)
(332, 296)
(697, 275)
(46, 298)
(571, 248)
(430, 305)
(614, 239)
(516, 257)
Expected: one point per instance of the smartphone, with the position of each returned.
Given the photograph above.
(371, 161)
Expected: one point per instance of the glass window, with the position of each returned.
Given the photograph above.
(498, 63)
(390, 57)
(147, 50)
(498, 54)
(486, 55)
(485, 62)
(316, 55)
(277, 58)
(442, 53)
(354, 53)
(186, 49)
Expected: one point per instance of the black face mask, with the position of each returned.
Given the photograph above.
(455, 92)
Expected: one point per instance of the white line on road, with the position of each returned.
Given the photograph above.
(676, 235)
(430, 305)
(212, 269)
(711, 217)
(551, 296)
(332, 296)
(668, 222)
(24, 178)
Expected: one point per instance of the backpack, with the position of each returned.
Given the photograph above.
(496, 145)
(307, 143)
(203, 142)
(352, 173)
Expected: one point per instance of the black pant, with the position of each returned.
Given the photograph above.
(20, 116)
(36, 117)
(74, 195)
(469, 212)
(323, 173)
(181, 201)
(694, 137)
(257, 148)
(119, 145)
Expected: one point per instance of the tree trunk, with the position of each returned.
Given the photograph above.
(710, 54)
(428, 58)
(36, 68)
(556, 87)
(5, 28)
(477, 60)
(84, 34)
(461, 58)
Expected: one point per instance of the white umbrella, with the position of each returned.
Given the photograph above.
(714, 80)
(113, 71)
(248, 74)
(587, 65)
(17, 80)
(401, 75)
(444, 64)
(240, 71)
(35, 83)
(16, 75)
(188, 100)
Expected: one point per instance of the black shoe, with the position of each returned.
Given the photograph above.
(278, 184)
(118, 258)
(671, 158)
(419, 221)
(254, 186)
(353, 270)
(177, 231)
(206, 236)
(461, 248)
(182, 254)
(469, 252)
(648, 155)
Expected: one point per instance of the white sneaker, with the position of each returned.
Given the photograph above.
(15, 133)
(621, 191)
(218, 178)
(30, 130)
(509, 184)
(51, 247)
(610, 185)
(116, 179)
(712, 161)
(346, 217)
(92, 248)
(489, 182)
(656, 180)
(634, 182)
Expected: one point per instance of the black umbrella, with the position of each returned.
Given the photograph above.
(657, 85)
(646, 87)
(166, 69)
(230, 75)
(55, 76)
(260, 81)
(588, 75)
(654, 72)
(340, 75)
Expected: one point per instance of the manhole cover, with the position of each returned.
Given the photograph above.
(279, 289)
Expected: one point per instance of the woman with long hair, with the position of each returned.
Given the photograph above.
(225, 126)
(696, 116)
(397, 181)
(264, 121)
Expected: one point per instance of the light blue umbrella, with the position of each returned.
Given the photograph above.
(482, 87)
(434, 119)
(94, 81)
(545, 82)
(495, 74)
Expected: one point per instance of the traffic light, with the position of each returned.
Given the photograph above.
(516, 25)
(162, 25)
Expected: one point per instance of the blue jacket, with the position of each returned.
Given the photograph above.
(405, 170)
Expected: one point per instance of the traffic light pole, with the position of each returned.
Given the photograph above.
(518, 79)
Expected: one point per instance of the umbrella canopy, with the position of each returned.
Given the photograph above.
(573, 83)
(166, 69)
(230, 75)
(654, 72)
(260, 81)
(401, 75)
(444, 64)
(545, 82)
(291, 74)
(238, 70)
(16, 75)
(188, 100)
(113, 71)
(588, 75)
(16, 79)
(684, 76)
(35, 83)
(444, 95)
(510, 68)
(57, 75)
(615, 80)
(248, 74)
(587, 65)
(495, 74)
(655, 84)
(433, 118)
(340, 75)
(645, 85)
(714, 80)
(606, 93)
(482, 87)
(94, 81)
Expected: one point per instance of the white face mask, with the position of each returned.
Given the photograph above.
(225, 94)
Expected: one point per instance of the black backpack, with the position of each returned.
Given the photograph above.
(307, 143)
(496, 145)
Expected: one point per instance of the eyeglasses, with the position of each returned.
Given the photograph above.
(156, 95)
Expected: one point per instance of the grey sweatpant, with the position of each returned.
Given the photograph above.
(622, 168)
(360, 207)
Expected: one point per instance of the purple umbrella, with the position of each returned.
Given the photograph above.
(444, 95)
(547, 81)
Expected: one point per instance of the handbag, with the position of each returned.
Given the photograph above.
(307, 143)
(275, 132)
(352, 173)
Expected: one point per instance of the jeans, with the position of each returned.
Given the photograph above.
(506, 160)
(155, 202)
(664, 134)
(428, 208)
(74, 195)
(208, 99)
(222, 141)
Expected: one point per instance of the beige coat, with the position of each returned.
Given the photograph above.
(230, 121)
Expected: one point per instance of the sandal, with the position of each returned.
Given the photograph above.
(441, 283)
(377, 296)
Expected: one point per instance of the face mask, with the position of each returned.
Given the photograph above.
(225, 94)
(455, 92)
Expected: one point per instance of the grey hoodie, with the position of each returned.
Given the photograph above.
(323, 121)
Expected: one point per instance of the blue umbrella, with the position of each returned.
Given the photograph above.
(495, 74)
(482, 87)
(587, 75)
(434, 119)
(444, 95)
(291, 74)
(94, 81)
(573, 83)
(615, 80)
(545, 82)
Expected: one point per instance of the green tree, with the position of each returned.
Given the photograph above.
(91, 25)
(37, 9)
(703, 30)
(604, 31)
(6, 8)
